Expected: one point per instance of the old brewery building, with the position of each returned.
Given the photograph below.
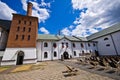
(20, 42)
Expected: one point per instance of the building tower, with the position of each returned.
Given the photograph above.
(21, 45)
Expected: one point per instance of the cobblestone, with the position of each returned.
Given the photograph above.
(53, 71)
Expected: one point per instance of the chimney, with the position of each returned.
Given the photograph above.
(29, 9)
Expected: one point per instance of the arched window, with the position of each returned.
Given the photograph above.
(30, 23)
(90, 51)
(94, 44)
(73, 44)
(23, 29)
(45, 44)
(67, 45)
(16, 38)
(82, 52)
(54, 45)
(45, 54)
(105, 38)
(89, 44)
(29, 29)
(55, 54)
(74, 53)
(62, 45)
(82, 45)
(22, 37)
(28, 37)
(19, 22)
(18, 28)
(24, 22)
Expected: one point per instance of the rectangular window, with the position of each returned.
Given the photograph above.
(24, 22)
(45, 55)
(19, 22)
(28, 37)
(16, 38)
(18, 28)
(74, 53)
(23, 29)
(55, 54)
(29, 30)
(22, 37)
(30, 23)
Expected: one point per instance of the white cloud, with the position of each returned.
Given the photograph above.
(6, 11)
(66, 31)
(41, 13)
(99, 13)
(44, 4)
(45, 31)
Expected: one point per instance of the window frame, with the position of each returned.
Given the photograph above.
(23, 37)
(16, 37)
(55, 54)
(45, 44)
(45, 55)
(81, 44)
(73, 44)
(75, 53)
(106, 38)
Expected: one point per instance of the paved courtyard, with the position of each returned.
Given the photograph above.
(52, 70)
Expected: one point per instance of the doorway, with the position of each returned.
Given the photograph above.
(96, 53)
(66, 55)
(20, 58)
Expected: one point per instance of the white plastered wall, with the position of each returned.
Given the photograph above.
(10, 56)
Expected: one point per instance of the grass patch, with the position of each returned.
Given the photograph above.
(22, 68)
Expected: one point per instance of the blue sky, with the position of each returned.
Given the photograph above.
(70, 17)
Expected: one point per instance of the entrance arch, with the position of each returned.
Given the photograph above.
(20, 57)
(66, 55)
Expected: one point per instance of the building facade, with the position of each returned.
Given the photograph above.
(21, 44)
(108, 40)
(24, 45)
(52, 47)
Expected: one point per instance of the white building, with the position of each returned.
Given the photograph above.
(108, 40)
(52, 47)
(4, 30)
(25, 46)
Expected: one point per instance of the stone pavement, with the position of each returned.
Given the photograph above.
(52, 71)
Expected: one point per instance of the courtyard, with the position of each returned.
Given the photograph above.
(48, 70)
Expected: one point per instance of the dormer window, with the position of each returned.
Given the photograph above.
(74, 45)
(94, 44)
(89, 44)
(105, 39)
(82, 45)
(45, 44)
(54, 45)
(62, 45)
(67, 45)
